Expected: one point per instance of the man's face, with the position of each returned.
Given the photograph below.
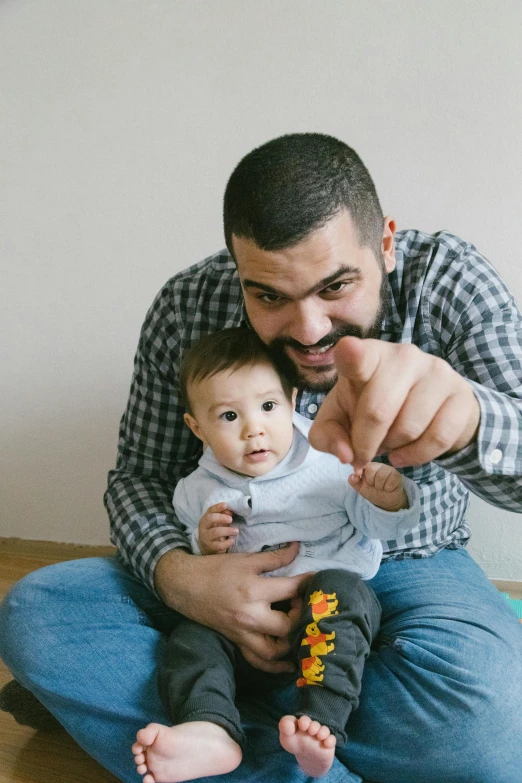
(303, 299)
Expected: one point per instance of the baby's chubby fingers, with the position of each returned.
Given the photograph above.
(218, 508)
(216, 547)
(218, 533)
(216, 516)
(382, 477)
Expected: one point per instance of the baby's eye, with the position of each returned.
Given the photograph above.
(228, 416)
(268, 406)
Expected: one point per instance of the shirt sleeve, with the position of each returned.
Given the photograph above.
(155, 448)
(484, 345)
(185, 501)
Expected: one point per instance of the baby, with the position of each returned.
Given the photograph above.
(260, 485)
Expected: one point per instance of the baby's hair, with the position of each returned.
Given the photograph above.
(228, 349)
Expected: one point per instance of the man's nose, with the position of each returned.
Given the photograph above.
(309, 322)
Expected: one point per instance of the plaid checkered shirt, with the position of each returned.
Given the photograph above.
(446, 298)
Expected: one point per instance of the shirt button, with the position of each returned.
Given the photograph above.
(312, 407)
(495, 456)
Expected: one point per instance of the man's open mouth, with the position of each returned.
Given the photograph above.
(316, 351)
(322, 356)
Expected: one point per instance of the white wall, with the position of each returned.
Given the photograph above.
(120, 121)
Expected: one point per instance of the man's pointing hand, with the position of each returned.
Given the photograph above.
(395, 399)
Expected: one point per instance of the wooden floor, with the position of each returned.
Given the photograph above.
(28, 756)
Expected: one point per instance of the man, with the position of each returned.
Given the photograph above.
(429, 378)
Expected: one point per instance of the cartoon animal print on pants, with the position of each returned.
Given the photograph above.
(323, 604)
(312, 668)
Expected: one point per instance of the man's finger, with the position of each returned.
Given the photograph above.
(262, 562)
(357, 360)
(295, 610)
(273, 622)
(283, 588)
(441, 435)
(379, 404)
(331, 436)
(425, 399)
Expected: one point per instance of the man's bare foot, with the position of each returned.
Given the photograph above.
(170, 754)
(312, 744)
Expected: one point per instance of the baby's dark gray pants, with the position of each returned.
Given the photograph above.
(330, 644)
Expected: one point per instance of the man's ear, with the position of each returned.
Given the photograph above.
(192, 424)
(388, 244)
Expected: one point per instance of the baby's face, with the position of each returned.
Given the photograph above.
(245, 418)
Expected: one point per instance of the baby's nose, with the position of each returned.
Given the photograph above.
(253, 429)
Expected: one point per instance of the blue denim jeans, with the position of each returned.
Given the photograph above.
(441, 696)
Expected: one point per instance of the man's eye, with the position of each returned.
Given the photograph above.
(270, 298)
(335, 287)
(268, 406)
(228, 416)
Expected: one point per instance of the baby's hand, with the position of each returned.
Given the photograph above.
(382, 485)
(214, 532)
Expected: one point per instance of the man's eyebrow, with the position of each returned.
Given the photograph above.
(324, 283)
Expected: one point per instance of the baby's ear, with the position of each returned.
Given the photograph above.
(192, 424)
(294, 397)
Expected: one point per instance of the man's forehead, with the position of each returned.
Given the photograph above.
(314, 262)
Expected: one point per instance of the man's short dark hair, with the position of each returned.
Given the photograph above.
(289, 187)
(228, 349)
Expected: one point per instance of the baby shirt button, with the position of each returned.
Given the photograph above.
(495, 456)
(312, 407)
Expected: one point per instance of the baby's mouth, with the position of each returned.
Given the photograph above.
(258, 455)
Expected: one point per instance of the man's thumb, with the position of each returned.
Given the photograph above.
(277, 558)
(357, 360)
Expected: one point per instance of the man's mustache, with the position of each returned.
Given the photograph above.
(347, 330)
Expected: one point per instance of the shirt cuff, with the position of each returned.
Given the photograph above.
(498, 448)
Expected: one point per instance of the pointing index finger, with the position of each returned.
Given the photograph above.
(357, 360)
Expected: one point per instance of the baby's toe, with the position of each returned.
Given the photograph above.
(313, 728)
(147, 735)
(304, 722)
(287, 725)
(323, 733)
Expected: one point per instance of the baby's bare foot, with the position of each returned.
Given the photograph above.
(170, 754)
(312, 744)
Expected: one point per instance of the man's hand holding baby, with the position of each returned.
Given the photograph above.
(381, 484)
(215, 534)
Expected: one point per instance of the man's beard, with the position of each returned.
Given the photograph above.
(322, 385)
